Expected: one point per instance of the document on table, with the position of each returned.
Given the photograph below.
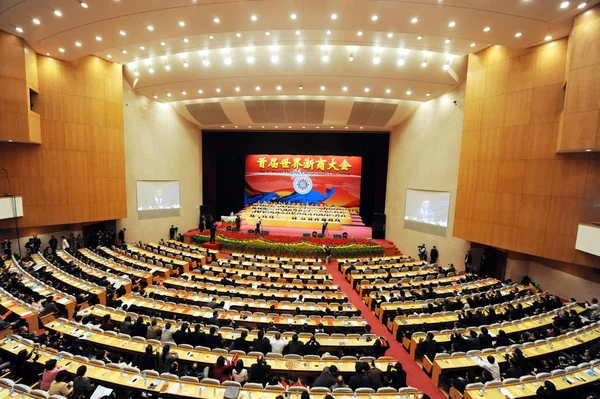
(101, 391)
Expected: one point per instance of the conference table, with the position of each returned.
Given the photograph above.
(509, 327)
(203, 356)
(404, 322)
(567, 341)
(377, 259)
(197, 258)
(316, 225)
(328, 342)
(141, 382)
(140, 252)
(283, 266)
(115, 280)
(258, 273)
(387, 266)
(161, 270)
(180, 310)
(327, 285)
(284, 307)
(566, 382)
(41, 288)
(117, 267)
(66, 278)
(267, 294)
(274, 259)
(21, 309)
(192, 247)
(355, 278)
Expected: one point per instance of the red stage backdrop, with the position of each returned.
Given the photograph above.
(307, 179)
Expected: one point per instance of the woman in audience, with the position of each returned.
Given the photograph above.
(59, 386)
(82, 386)
(166, 359)
(239, 373)
(49, 374)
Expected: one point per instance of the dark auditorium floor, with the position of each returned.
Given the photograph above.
(416, 377)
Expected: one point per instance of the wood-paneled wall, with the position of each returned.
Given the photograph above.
(580, 124)
(77, 174)
(514, 191)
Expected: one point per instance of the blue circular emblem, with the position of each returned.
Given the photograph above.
(303, 184)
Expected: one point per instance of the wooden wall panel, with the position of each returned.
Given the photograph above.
(516, 192)
(77, 174)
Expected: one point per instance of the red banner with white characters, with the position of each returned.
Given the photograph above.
(309, 179)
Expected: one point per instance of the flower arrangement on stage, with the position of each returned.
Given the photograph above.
(292, 245)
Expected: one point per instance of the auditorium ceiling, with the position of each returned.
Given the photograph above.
(283, 64)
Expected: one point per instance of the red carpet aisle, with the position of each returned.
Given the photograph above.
(416, 377)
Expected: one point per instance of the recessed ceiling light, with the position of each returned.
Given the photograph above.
(374, 18)
(274, 58)
(447, 41)
(216, 20)
(107, 56)
(446, 67)
(122, 33)
(345, 127)
(582, 5)
(185, 64)
(564, 4)
(328, 32)
(376, 60)
(19, 29)
(163, 43)
(168, 94)
(414, 20)
(428, 94)
(473, 44)
(62, 50)
(124, 51)
(82, 4)
(299, 87)
(150, 28)
(390, 35)
(268, 33)
(367, 90)
(388, 91)
(253, 17)
(211, 37)
(487, 29)
(257, 88)
(325, 58)
(419, 37)
(58, 13)
(184, 93)
(359, 33)
(588, 150)
(548, 38)
(293, 16)
(155, 96)
(167, 67)
(323, 88)
(236, 126)
(151, 70)
(238, 34)
(227, 60)
(297, 33)
(48, 54)
(289, 127)
(222, 126)
(36, 21)
(278, 87)
(400, 62)
(250, 59)
(186, 40)
(142, 48)
(249, 127)
(351, 58)
(200, 91)
(218, 90)
(518, 34)
(408, 92)
(237, 88)
(181, 23)
(99, 38)
(451, 24)
(300, 58)
(303, 127)
(362, 127)
(78, 44)
(276, 127)
(334, 16)
(424, 64)
(331, 127)
(345, 88)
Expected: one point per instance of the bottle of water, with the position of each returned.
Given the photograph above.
(145, 377)
(214, 392)
(180, 385)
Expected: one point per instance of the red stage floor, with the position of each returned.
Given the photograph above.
(353, 231)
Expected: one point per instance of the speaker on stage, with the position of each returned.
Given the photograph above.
(378, 226)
